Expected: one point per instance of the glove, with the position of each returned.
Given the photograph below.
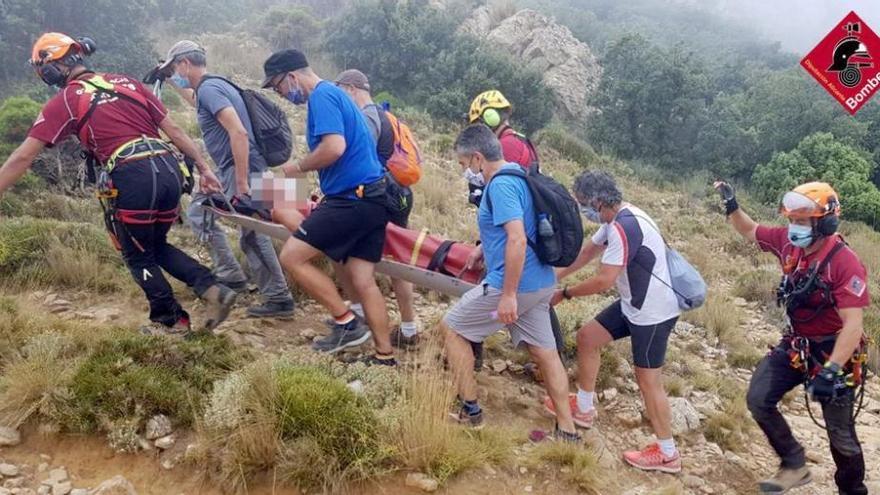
(155, 75)
(244, 204)
(829, 384)
(728, 196)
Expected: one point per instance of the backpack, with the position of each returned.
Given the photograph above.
(405, 163)
(685, 280)
(560, 231)
(269, 123)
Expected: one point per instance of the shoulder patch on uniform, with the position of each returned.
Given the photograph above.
(856, 286)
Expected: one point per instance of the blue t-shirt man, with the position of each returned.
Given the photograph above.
(511, 200)
(214, 95)
(332, 111)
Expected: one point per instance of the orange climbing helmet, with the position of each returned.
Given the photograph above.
(810, 200)
(57, 47)
(51, 47)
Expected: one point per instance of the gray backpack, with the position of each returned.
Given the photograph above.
(686, 282)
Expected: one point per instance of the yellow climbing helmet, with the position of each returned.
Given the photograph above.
(488, 100)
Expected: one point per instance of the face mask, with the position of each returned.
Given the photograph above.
(296, 96)
(800, 235)
(475, 178)
(180, 81)
(590, 213)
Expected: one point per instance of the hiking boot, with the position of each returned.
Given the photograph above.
(462, 417)
(374, 360)
(239, 287)
(786, 479)
(582, 419)
(179, 329)
(401, 341)
(351, 334)
(219, 299)
(651, 458)
(272, 309)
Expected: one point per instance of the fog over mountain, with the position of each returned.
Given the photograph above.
(797, 24)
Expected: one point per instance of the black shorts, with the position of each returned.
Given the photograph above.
(346, 228)
(648, 341)
(400, 204)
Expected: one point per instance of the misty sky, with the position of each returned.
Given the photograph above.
(799, 24)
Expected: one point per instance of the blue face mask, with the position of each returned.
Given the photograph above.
(590, 213)
(180, 81)
(800, 235)
(296, 96)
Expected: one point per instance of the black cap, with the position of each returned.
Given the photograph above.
(281, 62)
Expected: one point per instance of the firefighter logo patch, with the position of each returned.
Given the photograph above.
(843, 63)
(856, 286)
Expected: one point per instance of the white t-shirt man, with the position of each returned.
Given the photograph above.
(633, 241)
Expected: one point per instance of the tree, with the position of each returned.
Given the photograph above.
(411, 50)
(289, 27)
(119, 28)
(651, 101)
(822, 157)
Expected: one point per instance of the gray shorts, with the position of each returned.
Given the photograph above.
(473, 317)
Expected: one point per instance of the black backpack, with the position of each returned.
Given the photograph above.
(560, 231)
(269, 123)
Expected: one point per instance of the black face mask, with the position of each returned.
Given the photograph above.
(52, 75)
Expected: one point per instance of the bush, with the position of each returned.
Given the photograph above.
(569, 146)
(286, 27)
(138, 377)
(296, 420)
(757, 286)
(52, 253)
(822, 157)
(17, 114)
(580, 467)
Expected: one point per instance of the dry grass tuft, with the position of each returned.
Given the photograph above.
(577, 465)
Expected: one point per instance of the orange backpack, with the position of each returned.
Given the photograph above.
(405, 163)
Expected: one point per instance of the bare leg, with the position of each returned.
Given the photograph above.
(403, 290)
(461, 363)
(363, 280)
(556, 383)
(290, 218)
(590, 340)
(650, 382)
(295, 257)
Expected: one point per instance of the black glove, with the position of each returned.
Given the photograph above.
(728, 196)
(244, 205)
(155, 75)
(829, 384)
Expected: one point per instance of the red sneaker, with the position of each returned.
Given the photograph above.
(582, 419)
(652, 459)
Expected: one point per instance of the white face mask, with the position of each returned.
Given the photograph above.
(475, 178)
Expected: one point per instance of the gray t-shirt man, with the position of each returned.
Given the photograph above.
(213, 95)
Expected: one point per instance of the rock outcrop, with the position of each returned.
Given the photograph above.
(569, 67)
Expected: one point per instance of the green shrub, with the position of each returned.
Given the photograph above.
(568, 145)
(285, 27)
(52, 253)
(138, 376)
(312, 404)
(822, 157)
(17, 114)
(306, 426)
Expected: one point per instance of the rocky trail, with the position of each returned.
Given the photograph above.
(43, 462)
